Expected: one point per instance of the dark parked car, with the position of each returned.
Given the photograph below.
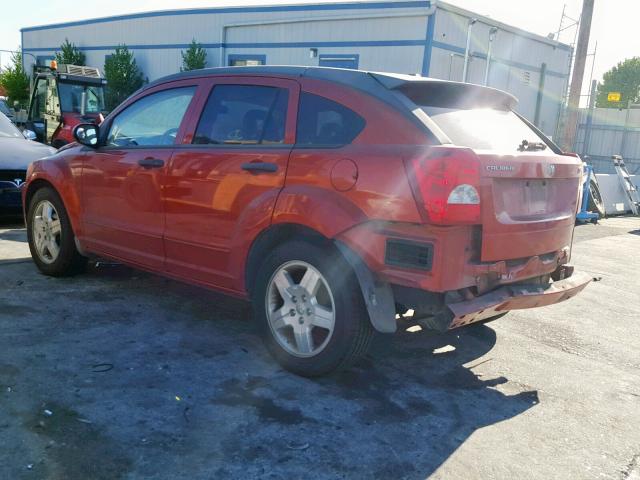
(16, 153)
(333, 199)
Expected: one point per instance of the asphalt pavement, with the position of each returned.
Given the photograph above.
(119, 374)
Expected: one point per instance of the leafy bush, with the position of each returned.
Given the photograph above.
(123, 76)
(70, 54)
(623, 78)
(194, 58)
(15, 81)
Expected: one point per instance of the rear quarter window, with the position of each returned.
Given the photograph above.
(323, 122)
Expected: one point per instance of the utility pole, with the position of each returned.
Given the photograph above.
(577, 78)
(589, 125)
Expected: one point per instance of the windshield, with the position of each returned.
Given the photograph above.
(4, 108)
(71, 97)
(486, 129)
(8, 129)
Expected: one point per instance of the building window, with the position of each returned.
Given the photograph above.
(246, 60)
(339, 60)
(44, 60)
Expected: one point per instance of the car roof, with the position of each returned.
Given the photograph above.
(378, 84)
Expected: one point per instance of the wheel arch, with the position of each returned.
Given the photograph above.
(68, 197)
(378, 296)
(272, 236)
(32, 188)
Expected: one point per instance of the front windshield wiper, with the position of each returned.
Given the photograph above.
(527, 146)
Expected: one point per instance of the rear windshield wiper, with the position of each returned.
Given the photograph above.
(527, 146)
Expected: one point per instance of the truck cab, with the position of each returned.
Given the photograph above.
(62, 97)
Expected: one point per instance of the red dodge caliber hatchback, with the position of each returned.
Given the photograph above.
(333, 199)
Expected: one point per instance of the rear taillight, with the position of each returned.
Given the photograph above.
(446, 181)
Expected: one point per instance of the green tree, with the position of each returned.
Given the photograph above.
(70, 54)
(123, 76)
(15, 81)
(194, 58)
(623, 78)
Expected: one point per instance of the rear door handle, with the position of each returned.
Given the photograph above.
(257, 167)
(148, 163)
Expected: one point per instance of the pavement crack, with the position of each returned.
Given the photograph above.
(632, 471)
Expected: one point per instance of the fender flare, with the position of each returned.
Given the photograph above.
(52, 175)
(378, 296)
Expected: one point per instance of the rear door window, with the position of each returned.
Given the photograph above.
(486, 129)
(243, 115)
(323, 122)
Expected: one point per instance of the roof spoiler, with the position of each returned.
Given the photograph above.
(445, 93)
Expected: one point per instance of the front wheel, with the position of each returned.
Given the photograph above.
(51, 238)
(310, 310)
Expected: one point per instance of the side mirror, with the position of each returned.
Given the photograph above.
(29, 134)
(86, 134)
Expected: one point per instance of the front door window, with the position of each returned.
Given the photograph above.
(152, 121)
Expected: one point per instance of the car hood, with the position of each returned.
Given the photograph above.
(17, 154)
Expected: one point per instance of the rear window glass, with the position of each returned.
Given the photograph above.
(485, 129)
(324, 122)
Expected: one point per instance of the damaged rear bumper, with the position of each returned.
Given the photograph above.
(516, 297)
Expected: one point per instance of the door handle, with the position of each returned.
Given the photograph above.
(257, 167)
(148, 163)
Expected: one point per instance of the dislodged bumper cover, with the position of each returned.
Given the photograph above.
(516, 297)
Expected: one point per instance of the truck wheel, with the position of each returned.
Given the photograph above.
(51, 238)
(310, 310)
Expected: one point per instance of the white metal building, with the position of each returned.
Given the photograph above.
(409, 36)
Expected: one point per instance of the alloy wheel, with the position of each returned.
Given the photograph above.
(47, 231)
(300, 309)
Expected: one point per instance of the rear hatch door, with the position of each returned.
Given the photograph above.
(528, 189)
(528, 204)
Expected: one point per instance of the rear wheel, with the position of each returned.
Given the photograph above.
(51, 238)
(310, 310)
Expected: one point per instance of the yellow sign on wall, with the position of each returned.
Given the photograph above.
(614, 96)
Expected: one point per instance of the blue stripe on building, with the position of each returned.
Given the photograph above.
(427, 43)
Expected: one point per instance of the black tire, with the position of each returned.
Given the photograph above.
(595, 203)
(69, 261)
(352, 331)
